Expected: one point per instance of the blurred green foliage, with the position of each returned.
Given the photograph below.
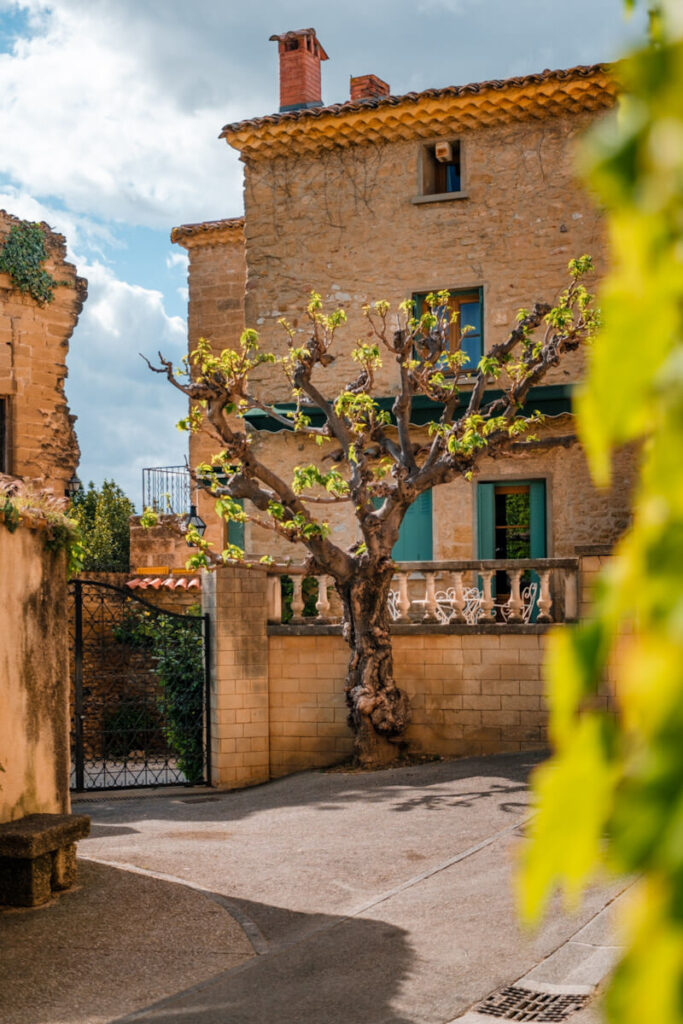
(612, 794)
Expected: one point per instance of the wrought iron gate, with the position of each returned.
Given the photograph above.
(139, 692)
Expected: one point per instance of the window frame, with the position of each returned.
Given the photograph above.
(472, 294)
(424, 155)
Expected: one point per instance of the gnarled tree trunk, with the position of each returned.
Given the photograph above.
(378, 710)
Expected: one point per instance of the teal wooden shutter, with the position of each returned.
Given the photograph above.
(537, 530)
(537, 519)
(486, 521)
(236, 530)
(414, 542)
(471, 341)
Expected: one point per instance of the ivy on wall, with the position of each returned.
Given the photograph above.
(23, 256)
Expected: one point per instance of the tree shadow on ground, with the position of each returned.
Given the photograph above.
(440, 785)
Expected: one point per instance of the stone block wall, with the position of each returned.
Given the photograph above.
(34, 677)
(278, 703)
(470, 693)
(235, 599)
(157, 546)
(34, 340)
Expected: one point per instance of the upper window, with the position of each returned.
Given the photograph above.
(440, 171)
(465, 329)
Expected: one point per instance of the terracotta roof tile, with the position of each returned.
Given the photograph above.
(208, 232)
(350, 106)
(167, 583)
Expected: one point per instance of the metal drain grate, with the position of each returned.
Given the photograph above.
(514, 1003)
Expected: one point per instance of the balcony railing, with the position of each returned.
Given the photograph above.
(166, 489)
(463, 594)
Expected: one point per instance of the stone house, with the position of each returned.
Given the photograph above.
(466, 188)
(37, 438)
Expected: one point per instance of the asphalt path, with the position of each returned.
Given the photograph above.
(377, 898)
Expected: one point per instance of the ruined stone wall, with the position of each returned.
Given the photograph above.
(34, 677)
(34, 341)
(342, 222)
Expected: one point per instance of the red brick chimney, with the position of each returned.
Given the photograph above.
(300, 56)
(365, 87)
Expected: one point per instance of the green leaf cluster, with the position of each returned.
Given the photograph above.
(23, 256)
(612, 795)
(103, 518)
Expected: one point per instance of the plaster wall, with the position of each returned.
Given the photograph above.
(34, 677)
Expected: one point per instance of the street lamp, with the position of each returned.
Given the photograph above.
(194, 520)
(73, 486)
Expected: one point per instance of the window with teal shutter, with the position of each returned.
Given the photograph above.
(414, 542)
(470, 332)
(511, 523)
(466, 323)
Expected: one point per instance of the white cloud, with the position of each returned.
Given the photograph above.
(177, 259)
(126, 414)
(91, 122)
(82, 233)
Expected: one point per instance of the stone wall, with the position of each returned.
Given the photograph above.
(342, 221)
(236, 601)
(34, 677)
(217, 281)
(471, 693)
(157, 546)
(278, 702)
(34, 341)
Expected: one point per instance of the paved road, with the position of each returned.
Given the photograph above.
(379, 898)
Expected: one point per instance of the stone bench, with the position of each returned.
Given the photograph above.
(38, 856)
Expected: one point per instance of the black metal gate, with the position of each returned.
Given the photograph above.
(139, 692)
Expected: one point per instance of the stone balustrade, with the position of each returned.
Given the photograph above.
(501, 592)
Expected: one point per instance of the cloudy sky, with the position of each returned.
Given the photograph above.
(109, 118)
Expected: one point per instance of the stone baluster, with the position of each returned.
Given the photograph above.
(545, 601)
(297, 600)
(571, 596)
(323, 604)
(274, 596)
(430, 599)
(403, 603)
(488, 612)
(515, 605)
(458, 602)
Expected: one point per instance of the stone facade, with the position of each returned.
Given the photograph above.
(334, 201)
(40, 442)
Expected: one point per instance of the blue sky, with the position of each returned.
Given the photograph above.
(110, 112)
